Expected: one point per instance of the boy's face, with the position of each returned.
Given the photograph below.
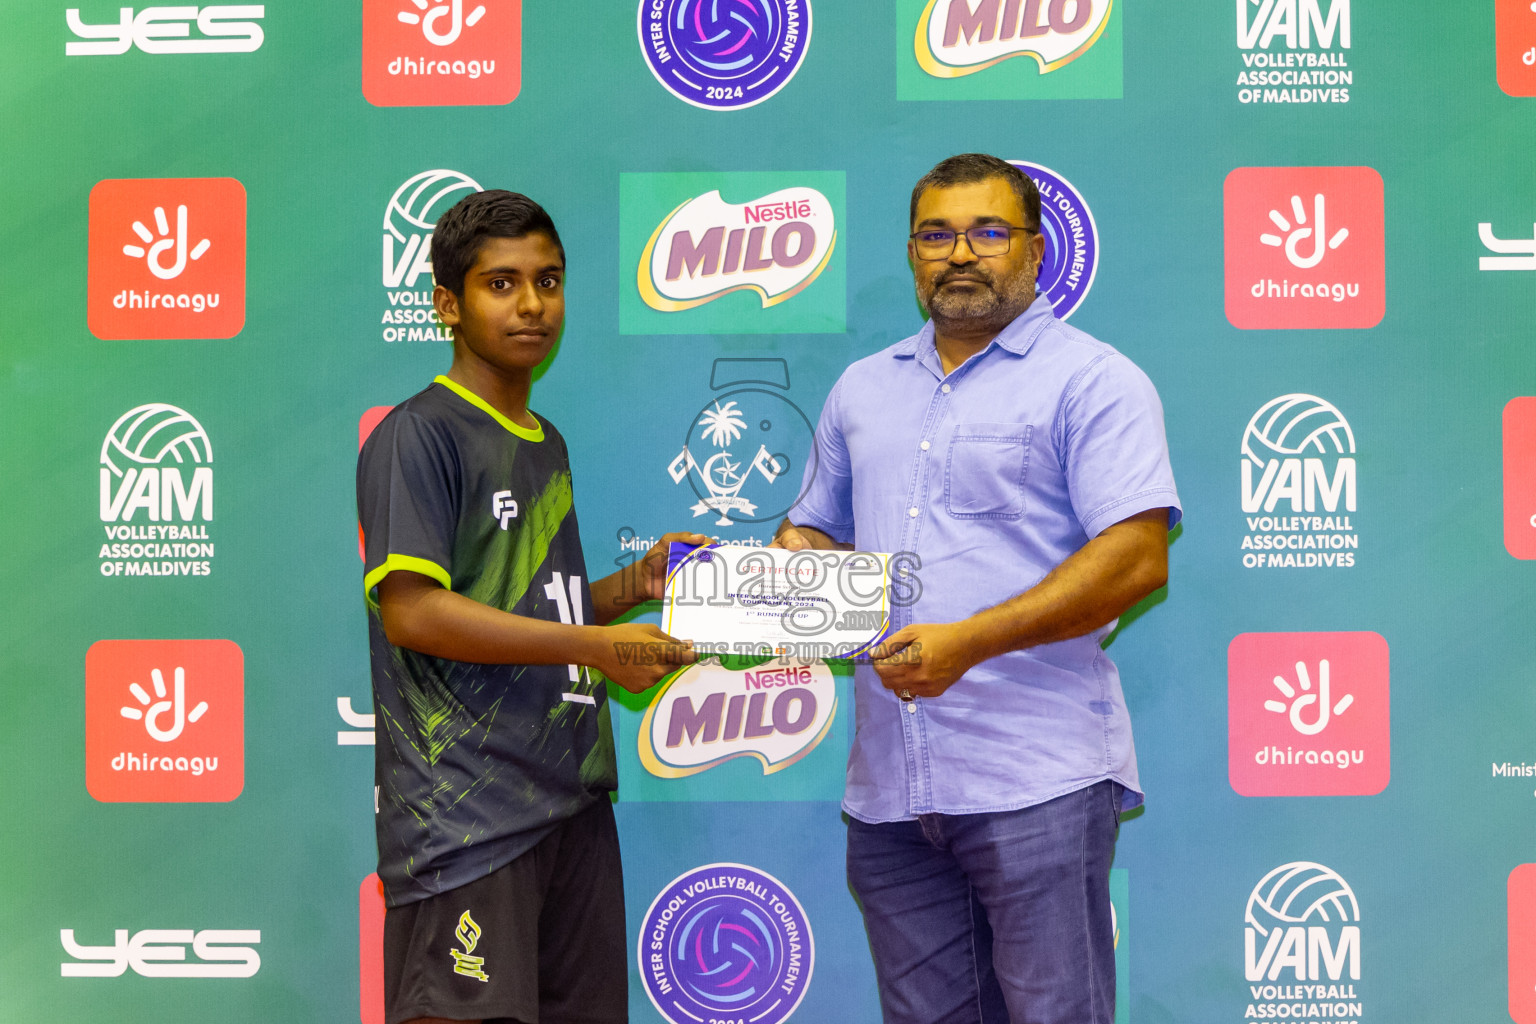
(513, 305)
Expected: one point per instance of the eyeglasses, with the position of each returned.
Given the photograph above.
(984, 240)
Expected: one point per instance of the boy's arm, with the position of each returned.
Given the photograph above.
(419, 614)
(642, 580)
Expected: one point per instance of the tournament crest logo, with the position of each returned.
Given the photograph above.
(705, 248)
(961, 37)
(707, 714)
(1071, 240)
(724, 54)
(742, 443)
(725, 942)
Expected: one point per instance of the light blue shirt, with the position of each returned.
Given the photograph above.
(992, 475)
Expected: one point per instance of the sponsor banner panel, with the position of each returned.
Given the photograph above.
(1309, 714)
(1009, 49)
(741, 252)
(420, 53)
(1522, 943)
(1294, 51)
(1520, 477)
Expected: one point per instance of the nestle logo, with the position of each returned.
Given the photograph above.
(762, 212)
(778, 677)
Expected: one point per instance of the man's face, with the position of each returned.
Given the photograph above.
(966, 290)
(513, 304)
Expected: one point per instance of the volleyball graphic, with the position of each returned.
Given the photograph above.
(1296, 425)
(149, 434)
(1299, 893)
(422, 199)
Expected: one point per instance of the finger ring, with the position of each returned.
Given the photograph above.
(905, 695)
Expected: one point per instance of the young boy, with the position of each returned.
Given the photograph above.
(494, 756)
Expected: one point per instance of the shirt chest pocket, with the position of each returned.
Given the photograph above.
(984, 473)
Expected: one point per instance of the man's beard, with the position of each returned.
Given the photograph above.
(990, 303)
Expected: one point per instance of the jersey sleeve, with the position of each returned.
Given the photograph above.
(826, 488)
(407, 497)
(1115, 447)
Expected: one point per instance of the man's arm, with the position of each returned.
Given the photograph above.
(798, 538)
(419, 614)
(1094, 585)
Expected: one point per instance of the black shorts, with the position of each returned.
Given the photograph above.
(540, 939)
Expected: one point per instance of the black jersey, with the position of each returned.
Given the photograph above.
(475, 763)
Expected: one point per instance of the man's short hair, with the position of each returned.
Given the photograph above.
(969, 168)
(494, 213)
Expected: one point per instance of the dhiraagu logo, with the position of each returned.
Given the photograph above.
(1008, 49)
(732, 253)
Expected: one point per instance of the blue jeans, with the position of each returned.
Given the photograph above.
(992, 918)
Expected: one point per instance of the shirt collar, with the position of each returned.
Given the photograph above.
(1017, 337)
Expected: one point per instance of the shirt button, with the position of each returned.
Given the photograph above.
(945, 389)
(925, 446)
(912, 512)
(911, 708)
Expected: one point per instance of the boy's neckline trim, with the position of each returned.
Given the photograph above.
(534, 434)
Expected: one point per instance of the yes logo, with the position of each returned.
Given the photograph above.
(221, 29)
(1513, 253)
(166, 258)
(1515, 46)
(964, 49)
(1308, 714)
(769, 262)
(164, 721)
(432, 53)
(162, 953)
(1305, 247)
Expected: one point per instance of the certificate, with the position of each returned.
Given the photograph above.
(755, 601)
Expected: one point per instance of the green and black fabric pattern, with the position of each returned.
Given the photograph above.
(475, 763)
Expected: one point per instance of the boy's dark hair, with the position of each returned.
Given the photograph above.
(494, 213)
(969, 168)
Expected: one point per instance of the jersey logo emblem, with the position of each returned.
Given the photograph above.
(468, 934)
(503, 507)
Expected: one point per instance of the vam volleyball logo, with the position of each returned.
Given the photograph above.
(1298, 486)
(164, 721)
(725, 942)
(433, 53)
(724, 54)
(740, 252)
(1071, 240)
(409, 218)
(156, 494)
(1294, 51)
(166, 258)
(1305, 247)
(1308, 714)
(707, 714)
(1301, 946)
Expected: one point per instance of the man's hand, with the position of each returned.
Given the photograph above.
(651, 580)
(924, 659)
(637, 655)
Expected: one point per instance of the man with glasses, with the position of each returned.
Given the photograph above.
(1024, 462)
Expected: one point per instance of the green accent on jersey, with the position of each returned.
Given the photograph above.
(535, 434)
(411, 564)
(537, 527)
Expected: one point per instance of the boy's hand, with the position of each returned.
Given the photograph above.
(653, 567)
(636, 655)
